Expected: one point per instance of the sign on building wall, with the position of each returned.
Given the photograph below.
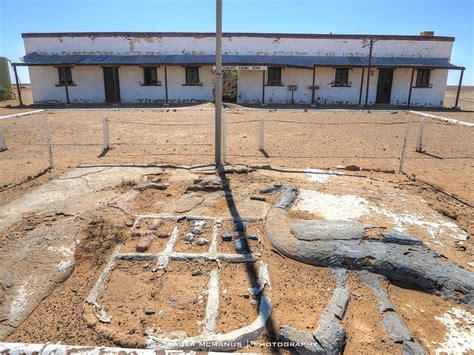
(242, 67)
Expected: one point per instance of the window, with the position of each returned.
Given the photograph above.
(65, 76)
(342, 77)
(150, 77)
(192, 76)
(423, 78)
(274, 76)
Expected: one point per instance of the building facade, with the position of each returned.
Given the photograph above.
(260, 68)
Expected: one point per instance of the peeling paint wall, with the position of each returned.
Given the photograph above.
(235, 45)
(90, 82)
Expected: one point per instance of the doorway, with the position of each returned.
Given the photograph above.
(111, 84)
(229, 85)
(384, 86)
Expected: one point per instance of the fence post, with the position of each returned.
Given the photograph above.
(405, 139)
(105, 124)
(3, 145)
(48, 140)
(224, 137)
(421, 131)
(261, 141)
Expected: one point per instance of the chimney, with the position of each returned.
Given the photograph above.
(427, 33)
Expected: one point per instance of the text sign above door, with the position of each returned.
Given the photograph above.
(243, 67)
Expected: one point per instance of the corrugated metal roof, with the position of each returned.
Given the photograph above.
(288, 61)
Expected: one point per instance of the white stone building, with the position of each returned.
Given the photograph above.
(271, 68)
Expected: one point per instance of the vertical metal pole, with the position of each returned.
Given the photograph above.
(261, 140)
(218, 98)
(361, 85)
(421, 131)
(48, 141)
(369, 67)
(224, 137)
(404, 145)
(66, 86)
(166, 85)
(18, 86)
(459, 89)
(3, 145)
(263, 88)
(314, 82)
(105, 125)
(411, 86)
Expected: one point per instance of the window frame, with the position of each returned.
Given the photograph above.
(65, 76)
(423, 82)
(152, 82)
(271, 80)
(338, 75)
(188, 78)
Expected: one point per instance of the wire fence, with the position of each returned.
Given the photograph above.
(384, 141)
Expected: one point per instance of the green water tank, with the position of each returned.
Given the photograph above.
(5, 82)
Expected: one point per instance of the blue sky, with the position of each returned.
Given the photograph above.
(448, 17)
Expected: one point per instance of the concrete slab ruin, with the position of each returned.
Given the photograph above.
(192, 265)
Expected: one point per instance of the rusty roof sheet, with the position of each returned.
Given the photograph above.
(269, 60)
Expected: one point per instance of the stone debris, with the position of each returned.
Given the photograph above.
(144, 243)
(163, 235)
(226, 236)
(207, 183)
(150, 186)
(252, 236)
(196, 231)
(202, 241)
(102, 316)
(258, 198)
(412, 348)
(305, 340)
(240, 246)
(188, 237)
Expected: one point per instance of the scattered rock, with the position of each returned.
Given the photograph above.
(149, 311)
(197, 273)
(154, 226)
(252, 236)
(258, 198)
(196, 231)
(202, 241)
(27, 228)
(150, 186)
(144, 243)
(412, 177)
(226, 237)
(239, 245)
(188, 237)
(459, 245)
(103, 317)
(352, 168)
(207, 183)
(163, 235)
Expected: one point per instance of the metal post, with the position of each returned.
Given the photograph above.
(224, 137)
(261, 140)
(166, 85)
(66, 86)
(421, 131)
(361, 85)
(48, 141)
(18, 86)
(313, 87)
(411, 86)
(3, 145)
(369, 67)
(404, 145)
(218, 98)
(105, 125)
(459, 89)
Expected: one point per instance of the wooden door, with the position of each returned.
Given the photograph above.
(111, 84)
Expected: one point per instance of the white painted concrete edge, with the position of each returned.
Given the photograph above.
(21, 114)
(444, 119)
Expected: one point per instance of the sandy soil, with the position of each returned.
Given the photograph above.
(142, 301)
(319, 139)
